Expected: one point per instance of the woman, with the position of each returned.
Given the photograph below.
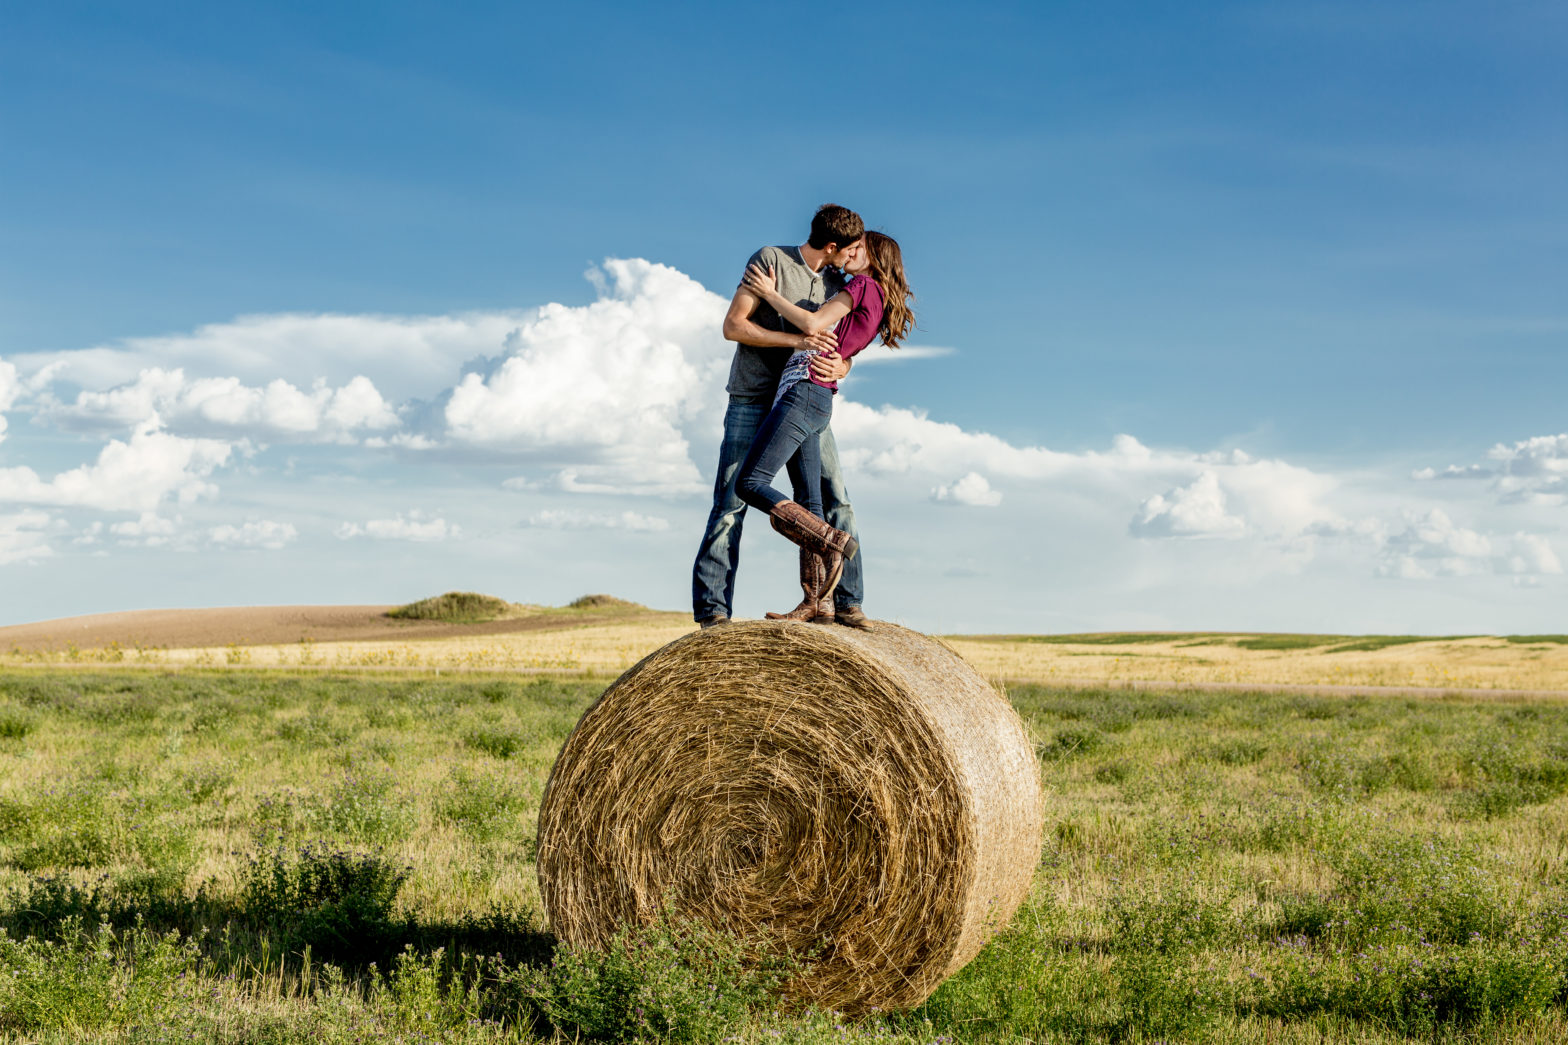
(875, 301)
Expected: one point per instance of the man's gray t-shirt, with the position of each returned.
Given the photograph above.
(755, 371)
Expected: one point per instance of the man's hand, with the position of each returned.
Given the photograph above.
(822, 341)
(827, 366)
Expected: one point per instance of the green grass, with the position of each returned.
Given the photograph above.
(235, 857)
(1557, 640)
(1097, 639)
(1339, 643)
(455, 607)
(1289, 642)
(1367, 643)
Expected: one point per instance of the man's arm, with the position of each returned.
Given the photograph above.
(739, 327)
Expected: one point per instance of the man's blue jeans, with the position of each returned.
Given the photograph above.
(713, 574)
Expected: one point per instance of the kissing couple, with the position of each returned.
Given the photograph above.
(798, 318)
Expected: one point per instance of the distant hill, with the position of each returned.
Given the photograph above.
(440, 616)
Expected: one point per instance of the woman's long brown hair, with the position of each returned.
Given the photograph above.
(887, 268)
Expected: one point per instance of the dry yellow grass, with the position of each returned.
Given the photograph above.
(1474, 663)
(610, 647)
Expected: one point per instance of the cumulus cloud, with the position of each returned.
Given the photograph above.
(625, 395)
(1194, 510)
(148, 530)
(1432, 545)
(972, 490)
(413, 527)
(1533, 470)
(567, 519)
(1274, 497)
(10, 388)
(411, 355)
(608, 389)
(24, 537)
(277, 409)
(258, 534)
(134, 475)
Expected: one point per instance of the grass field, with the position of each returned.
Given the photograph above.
(581, 641)
(234, 855)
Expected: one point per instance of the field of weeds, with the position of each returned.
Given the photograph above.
(238, 856)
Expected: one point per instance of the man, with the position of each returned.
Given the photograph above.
(763, 342)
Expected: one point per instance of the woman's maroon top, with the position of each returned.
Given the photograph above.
(856, 330)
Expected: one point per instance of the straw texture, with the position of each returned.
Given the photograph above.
(863, 796)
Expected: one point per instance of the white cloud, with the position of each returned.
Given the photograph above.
(1533, 470)
(276, 409)
(10, 388)
(1194, 510)
(149, 530)
(972, 490)
(24, 537)
(877, 354)
(258, 534)
(567, 519)
(608, 390)
(137, 475)
(1529, 554)
(625, 394)
(403, 441)
(1432, 545)
(413, 527)
(411, 355)
(1274, 497)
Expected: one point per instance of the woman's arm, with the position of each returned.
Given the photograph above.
(738, 326)
(761, 282)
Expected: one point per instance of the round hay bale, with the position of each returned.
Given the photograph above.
(865, 797)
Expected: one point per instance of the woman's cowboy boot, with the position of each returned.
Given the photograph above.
(796, 522)
(817, 605)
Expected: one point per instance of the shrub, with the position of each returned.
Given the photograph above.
(1236, 752)
(1070, 742)
(497, 743)
(1022, 985)
(360, 805)
(89, 980)
(44, 905)
(1410, 988)
(15, 723)
(478, 804)
(673, 981)
(1174, 923)
(336, 902)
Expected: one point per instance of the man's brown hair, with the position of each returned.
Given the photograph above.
(835, 224)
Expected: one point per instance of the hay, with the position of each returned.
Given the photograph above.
(862, 795)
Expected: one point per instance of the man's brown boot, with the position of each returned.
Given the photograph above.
(796, 522)
(817, 605)
(853, 617)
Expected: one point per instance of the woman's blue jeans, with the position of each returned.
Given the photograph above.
(788, 438)
(718, 556)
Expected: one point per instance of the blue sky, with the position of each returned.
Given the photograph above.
(1330, 238)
